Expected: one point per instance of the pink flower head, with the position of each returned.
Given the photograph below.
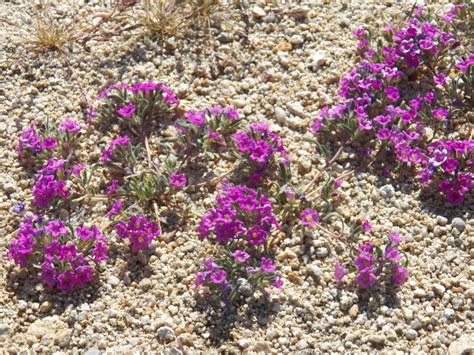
(277, 282)
(340, 272)
(392, 254)
(366, 226)
(113, 187)
(364, 261)
(56, 229)
(395, 238)
(126, 111)
(267, 265)
(177, 180)
(115, 209)
(450, 165)
(366, 278)
(241, 256)
(218, 276)
(49, 143)
(317, 125)
(196, 117)
(440, 113)
(399, 275)
(392, 93)
(120, 141)
(256, 235)
(309, 217)
(440, 79)
(231, 114)
(359, 32)
(69, 125)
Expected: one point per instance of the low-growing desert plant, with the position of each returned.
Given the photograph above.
(409, 94)
(65, 255)
(241, 224)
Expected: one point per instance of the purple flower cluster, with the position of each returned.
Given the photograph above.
(209, 127)
(177, 180)
(241, 214)
(450, 164)
(309, 217)
(32, 143)
(216, 277)
(242, 222)
(259, 144)
(70, 126)
(372, 264)
(49, 184)
(139, 231)
(117, 142)
(66, 258)
(374, 95)
(136, 106)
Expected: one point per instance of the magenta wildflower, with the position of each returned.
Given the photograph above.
(309, 217)
(277, 282)
(267, 265)
(366, 226)
(120, 141)
(395, 238)
(196, 117)
(392, 254)
(139, 231)
(366, 278)
(113, 187)
(218, 276)
(392, 93)
(177, 180)
(69, 125)
(77, 168)
(364, 261)
(115, 209)
(49, 143)
(440, 113)
(340, 272)
(399, 275)
(240, 256)
(126, 111)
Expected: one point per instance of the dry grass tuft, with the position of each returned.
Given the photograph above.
(169, 17)
(161, 17)
(50, 32)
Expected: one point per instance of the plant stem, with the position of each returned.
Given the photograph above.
(326, 166)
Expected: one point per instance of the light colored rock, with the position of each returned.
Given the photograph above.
(166, 334)
(53, 328)
(92, 351)
(387, 191)
(244, 343)
(280, 115)
(462, 346)
(353, 311)
(45, 307)
(345, 303)
(262, 346)
(296, 39)
(377, 339)
(258, 12)
(317, 59)
(411, 334)
(113, 280)
(458, 224)
(4, 329)
(314, 271)
(296, 108)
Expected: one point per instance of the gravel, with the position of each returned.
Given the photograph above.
(290, 70)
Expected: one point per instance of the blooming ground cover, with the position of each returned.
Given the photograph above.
(405, 106)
